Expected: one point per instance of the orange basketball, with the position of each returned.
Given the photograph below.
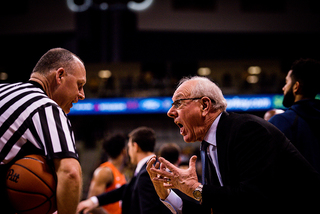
(31, 186)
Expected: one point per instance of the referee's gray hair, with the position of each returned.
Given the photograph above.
(206, 88)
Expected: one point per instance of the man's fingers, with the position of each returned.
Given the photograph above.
(167, 164)
(168, 185)
(153, 158)
(161, 173)
(151, 166)
(162, 167)
(192, 161)
(157, 165)
(150, 162)
(85, 206)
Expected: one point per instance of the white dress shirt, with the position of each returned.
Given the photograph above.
(141, 163)
(173, 201)
(212, 148)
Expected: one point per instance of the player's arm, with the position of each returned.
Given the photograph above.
(102, 177)
(69, 184)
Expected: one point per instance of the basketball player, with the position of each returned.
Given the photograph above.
(108, 176)
(33, 121)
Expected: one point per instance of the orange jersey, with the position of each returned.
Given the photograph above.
(118, 181)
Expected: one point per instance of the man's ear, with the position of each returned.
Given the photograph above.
(205, 105)
(135, 146)
(60, 73)
(296, 88)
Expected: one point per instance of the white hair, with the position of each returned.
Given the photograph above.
(206, 88)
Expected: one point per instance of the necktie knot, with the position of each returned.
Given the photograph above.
(204, 146)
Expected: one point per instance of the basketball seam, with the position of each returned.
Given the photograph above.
(32, 159)
(47, 199)
(36, 176)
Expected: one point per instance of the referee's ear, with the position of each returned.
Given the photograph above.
(60, 73)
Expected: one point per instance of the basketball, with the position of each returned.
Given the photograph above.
(31, 186)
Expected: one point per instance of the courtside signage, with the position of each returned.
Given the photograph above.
(163, 104)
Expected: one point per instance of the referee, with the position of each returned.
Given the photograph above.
(33, 121)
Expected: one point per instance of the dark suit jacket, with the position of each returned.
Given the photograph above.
(138, 196)
(262, 172)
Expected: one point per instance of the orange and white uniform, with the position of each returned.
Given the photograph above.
(118, 180)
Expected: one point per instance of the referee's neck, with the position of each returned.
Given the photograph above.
(36, 84)
(42, 81)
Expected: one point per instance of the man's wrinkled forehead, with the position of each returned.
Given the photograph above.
(180, 93)
(184, 90)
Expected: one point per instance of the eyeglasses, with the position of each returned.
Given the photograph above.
(178, 102)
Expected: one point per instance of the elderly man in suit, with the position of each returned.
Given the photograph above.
(249, 166)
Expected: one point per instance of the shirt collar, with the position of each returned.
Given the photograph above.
(37, 85)
(211, 134)
(141, 163)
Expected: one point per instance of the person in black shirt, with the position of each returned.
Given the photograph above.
(301, 121)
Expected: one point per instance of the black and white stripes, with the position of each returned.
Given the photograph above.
(27, 115)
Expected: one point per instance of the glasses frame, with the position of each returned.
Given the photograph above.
(176, 104)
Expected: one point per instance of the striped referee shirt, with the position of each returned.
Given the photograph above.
(30, 119)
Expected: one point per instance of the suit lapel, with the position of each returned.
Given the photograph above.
(222, 145)
(143, 169)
